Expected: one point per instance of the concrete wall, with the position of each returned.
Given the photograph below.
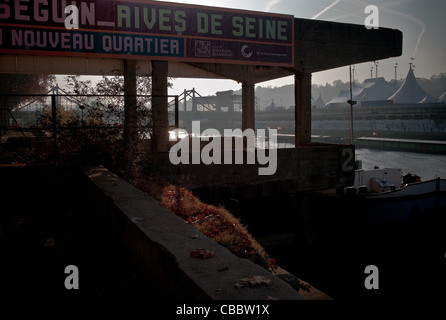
(158, 241)
(161, 242)
(315, 167)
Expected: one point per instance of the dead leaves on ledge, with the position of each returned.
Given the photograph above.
(253, 281)
(202, 253)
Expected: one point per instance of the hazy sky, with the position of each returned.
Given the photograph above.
(423, 24)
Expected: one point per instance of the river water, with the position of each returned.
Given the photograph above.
(427, 166)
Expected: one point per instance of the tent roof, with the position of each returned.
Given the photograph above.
(411, 92)
(371, 90)
(319, 102)
(344, 95)
(443, 97)
(377, 89)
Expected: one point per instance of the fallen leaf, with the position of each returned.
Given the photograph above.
(138, 219)
(304, 285)
(202, 253)
(50, 242)
(239, 285)
(253, 281)
(223, 269)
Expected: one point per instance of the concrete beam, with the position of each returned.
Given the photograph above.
(323, 45)
(237, 72)
(319, 45)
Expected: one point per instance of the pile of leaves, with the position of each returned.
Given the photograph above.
(215, 222)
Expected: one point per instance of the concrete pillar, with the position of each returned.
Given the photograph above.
(160, 115)
(248, 105)
(130, 104)
(248, 100)
(4, 115)
(302, 95)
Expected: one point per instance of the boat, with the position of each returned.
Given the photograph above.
(384, 196)
(377, 180)
(410, 202)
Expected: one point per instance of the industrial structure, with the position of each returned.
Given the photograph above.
(160, 39)
(247, 47)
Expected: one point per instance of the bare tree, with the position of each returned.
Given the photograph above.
(109, 102)
(20, 84)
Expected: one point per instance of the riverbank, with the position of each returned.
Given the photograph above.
(408, 145)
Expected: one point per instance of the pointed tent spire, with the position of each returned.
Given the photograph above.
(319, 102)
(273, 106)
(411, 92)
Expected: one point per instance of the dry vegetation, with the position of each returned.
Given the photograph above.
(216, 223)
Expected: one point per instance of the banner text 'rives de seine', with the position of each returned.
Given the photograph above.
(146, 29)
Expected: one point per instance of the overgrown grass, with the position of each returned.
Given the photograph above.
(215, 222)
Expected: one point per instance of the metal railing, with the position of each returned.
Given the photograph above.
(63, 125)
(37, 113)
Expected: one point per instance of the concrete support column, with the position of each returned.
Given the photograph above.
(248, 105)
(160, 115)
(4, 114)
(130, 104)
(302, 96)
(248, 101)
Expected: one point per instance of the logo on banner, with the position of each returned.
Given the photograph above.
(246, 52)
(203, 49)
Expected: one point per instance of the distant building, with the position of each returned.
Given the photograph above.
(411, 92)
(372, 92)
(443, 97)
(318, 103)
(340, 101)
(274, 107)
(379, 92)
(377, 89)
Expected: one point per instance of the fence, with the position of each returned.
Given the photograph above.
(53, 118)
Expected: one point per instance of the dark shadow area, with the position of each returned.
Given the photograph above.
(46, 224)
(328, 242)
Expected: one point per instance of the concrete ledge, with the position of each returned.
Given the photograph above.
(160, 243)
